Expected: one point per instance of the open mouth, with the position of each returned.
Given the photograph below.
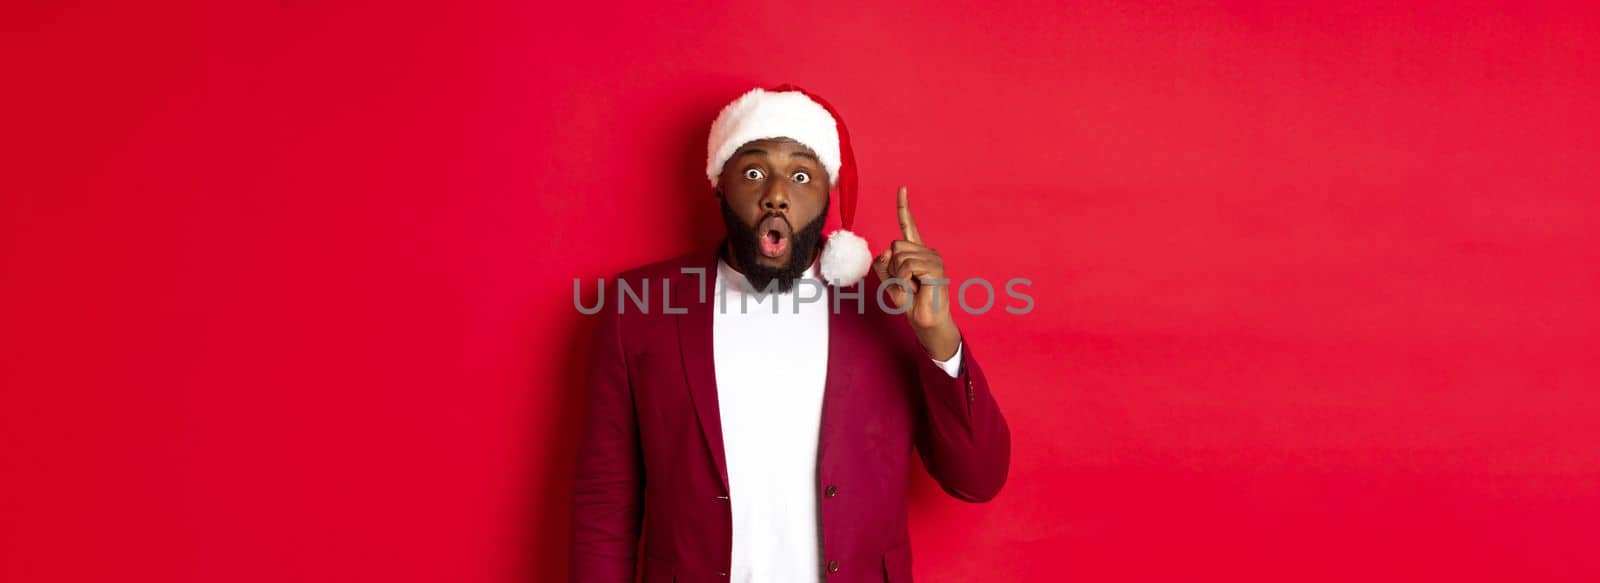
(775, 234)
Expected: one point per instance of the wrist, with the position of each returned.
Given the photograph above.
(940, 341)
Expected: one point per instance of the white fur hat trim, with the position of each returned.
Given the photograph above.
(760, 114)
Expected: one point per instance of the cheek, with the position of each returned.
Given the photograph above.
(742, 199)
(813, 202)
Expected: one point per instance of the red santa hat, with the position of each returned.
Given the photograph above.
(790, 112)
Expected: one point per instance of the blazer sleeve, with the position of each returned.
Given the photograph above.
(961, 436)
(608, 488)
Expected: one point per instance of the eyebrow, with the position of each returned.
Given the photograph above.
(799, 153)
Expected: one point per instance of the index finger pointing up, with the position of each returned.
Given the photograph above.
(908, 226)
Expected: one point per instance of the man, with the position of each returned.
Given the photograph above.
(758, 423)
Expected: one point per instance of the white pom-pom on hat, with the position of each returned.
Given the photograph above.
(845, 258)
(788, 111)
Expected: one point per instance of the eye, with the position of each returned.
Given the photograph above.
(802, 177)
(754, 174)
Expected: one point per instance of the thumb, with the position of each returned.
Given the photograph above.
(881, 265)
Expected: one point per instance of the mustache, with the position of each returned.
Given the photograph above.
(772, 215)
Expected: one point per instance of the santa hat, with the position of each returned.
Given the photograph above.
(790, 112)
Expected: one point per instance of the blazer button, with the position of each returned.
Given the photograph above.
(832, 491)
(833, 566)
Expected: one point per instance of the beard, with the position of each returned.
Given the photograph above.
(745, 243)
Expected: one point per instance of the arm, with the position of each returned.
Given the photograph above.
(961, 436)
(608, 489)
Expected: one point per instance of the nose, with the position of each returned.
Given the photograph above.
(776, 198)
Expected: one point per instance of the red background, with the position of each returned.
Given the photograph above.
(286, 288)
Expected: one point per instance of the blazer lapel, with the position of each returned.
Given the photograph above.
(844, 334)
(699, 365)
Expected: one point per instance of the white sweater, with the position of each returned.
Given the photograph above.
(771, 370)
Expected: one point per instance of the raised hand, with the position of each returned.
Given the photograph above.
(922, 268)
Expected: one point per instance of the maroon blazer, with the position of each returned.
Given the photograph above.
(651, 442)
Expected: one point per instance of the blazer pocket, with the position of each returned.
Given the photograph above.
(897, 564)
